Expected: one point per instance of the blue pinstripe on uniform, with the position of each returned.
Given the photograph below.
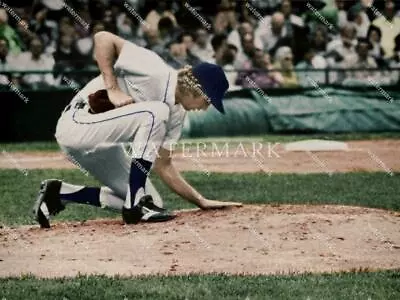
(113, 118)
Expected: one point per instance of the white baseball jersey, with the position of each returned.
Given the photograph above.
(144, 76)
(95, 142)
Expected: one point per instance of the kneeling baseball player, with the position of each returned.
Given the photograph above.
(140, 100)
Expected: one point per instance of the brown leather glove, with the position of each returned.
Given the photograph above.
(99, 102)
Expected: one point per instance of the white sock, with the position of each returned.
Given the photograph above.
(108, 199)
(128, 203)
(67, 188)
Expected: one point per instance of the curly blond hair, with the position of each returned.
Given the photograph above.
(188, 83)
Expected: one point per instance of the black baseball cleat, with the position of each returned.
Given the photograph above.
(146, 211)
(154, 213)
(48, 202)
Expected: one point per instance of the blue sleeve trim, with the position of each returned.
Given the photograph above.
(166, 89)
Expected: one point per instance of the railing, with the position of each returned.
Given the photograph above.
(76, 79)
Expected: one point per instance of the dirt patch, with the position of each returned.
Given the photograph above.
(250, 240)
(377, 155)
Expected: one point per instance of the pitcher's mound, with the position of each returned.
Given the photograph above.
(254, 239)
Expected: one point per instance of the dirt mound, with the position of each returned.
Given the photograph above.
(253, 239)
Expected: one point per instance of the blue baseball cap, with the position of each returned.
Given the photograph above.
(213, 82)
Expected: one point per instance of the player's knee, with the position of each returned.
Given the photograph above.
(160, 112)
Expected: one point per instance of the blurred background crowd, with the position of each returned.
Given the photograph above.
(259, 43)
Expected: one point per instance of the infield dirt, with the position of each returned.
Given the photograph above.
(253, 239)
(364, 156)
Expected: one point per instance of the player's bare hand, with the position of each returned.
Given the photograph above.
(214, 204)
(118, 97)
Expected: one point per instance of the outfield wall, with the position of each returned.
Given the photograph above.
(31, 115)
(327, 109)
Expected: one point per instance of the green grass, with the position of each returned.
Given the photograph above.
(18, 190)
(363, 286)
(379, 190)
(32, 146)
(273, 138)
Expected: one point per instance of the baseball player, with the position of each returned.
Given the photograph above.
(146, 102)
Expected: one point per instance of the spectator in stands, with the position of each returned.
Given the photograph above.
(243, 46)
(65, 27)
(343, 47)
(177, 55)
(226, 62)
(395, 61)
(137, 5)
(396, 57)
(125, 27)
(82, 29)
(361, 59)
(228, 56)
(233, 49)
(284, 64)
(3, 51)
(225, 20)
(374, 36)
(187, 39)
(219, 44)
(260, 72)
(290, 20)
(359, 18)
(45, 29)
(129, 27)
(225, 56)
(243, 58)
(265, 7)
(22, 12)
(167, 30)
(236, 36)
(342, 13)
(154, 16)
(319, 40)
(202, 47)
(84, 45)
(272, 31)
(389, 24)
(153, 41)
(96, 8)
(36, 60)
(66, 55)
(312, 61)
(24, 34)
(109, 21)
(6, 31)
(4, 61)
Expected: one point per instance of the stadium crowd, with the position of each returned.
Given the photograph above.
(259, 43)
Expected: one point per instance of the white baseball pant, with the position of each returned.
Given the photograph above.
(95, 142)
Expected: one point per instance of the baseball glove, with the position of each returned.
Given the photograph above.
(99, 102)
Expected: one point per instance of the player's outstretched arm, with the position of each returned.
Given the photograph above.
(172, 177)
(107, 47)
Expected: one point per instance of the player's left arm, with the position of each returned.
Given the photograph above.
(107, 47)
(171, 176)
